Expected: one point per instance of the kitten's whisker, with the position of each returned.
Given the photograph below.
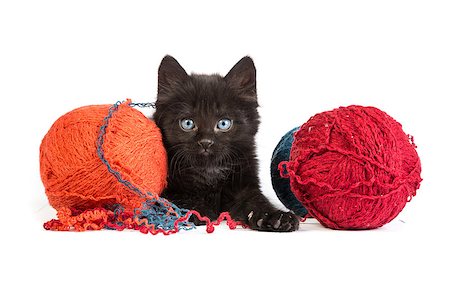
(180, 160)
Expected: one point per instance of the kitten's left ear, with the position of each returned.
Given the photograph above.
(243, 78)
(170, 73)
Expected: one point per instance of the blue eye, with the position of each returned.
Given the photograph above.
(224, 124)
(187, 124)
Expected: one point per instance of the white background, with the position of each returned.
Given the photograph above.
(311, 56)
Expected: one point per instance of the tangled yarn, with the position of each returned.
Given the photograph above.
(103, 167)
(353, 167)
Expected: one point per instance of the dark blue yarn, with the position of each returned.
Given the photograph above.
(282, 185)
(154, 209)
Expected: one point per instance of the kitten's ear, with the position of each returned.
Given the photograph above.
(243, 78)
(170, 73)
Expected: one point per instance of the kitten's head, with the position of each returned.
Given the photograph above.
(207, 119)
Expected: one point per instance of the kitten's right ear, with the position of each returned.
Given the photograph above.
(170, 73)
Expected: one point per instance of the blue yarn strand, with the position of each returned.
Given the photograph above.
(154, 209)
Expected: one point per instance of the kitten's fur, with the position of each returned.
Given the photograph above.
(221, 174)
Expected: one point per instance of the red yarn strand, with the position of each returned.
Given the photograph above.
(100, 218)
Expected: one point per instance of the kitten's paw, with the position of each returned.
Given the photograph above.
(277, 221)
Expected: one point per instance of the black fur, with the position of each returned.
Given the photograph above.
(220, 174)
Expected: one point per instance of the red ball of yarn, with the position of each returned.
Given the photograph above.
(353, 167)
(72, 172)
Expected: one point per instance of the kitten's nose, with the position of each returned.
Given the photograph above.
(205, 143)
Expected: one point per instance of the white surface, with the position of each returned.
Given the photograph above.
(311, 57)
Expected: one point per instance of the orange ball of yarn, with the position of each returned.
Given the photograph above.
(75, 177)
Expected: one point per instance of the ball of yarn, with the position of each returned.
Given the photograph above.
(281, 185)
(353, 167)
(75, 177)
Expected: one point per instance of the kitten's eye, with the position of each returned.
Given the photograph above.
(187, 124)
(224, 124)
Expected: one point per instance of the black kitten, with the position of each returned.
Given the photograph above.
(209, 124)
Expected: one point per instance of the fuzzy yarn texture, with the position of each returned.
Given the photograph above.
(75, 178)
(353, 167)
(281, 185)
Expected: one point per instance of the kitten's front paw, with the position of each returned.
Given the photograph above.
(277, 221)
